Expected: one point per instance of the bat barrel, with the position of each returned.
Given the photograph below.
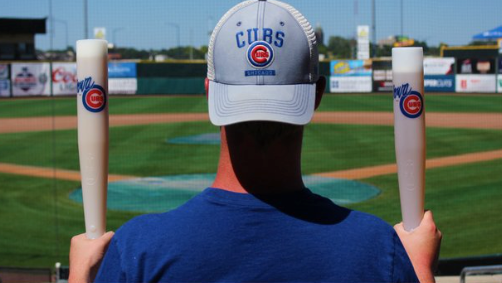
(409, 132)
(92, 110)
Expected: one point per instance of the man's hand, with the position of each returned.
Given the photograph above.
(422, 246)
(86, 256)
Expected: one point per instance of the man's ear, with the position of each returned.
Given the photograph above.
(206, 87)
(319, 90)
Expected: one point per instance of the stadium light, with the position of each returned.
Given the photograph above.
(86, 20)
(402, 19)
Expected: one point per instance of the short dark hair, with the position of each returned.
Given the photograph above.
(265, 133)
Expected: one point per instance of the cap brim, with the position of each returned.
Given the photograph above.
(230, 104)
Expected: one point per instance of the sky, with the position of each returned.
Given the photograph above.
(151, 24)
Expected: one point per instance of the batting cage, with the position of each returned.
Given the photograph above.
(162, 149)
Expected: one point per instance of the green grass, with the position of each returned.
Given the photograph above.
(433, 103)
(38, 219)
(35, 231)
(465, 200)
(29, 107)
(142, 150)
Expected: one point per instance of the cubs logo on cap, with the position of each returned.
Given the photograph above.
(94, 99)
(412, 104)
(260, 54)
(262, 65)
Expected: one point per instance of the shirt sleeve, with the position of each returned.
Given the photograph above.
(402, 269)
(111, 266)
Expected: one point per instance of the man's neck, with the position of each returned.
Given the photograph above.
(245, 167)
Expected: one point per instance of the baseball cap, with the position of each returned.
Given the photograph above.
(262, 65)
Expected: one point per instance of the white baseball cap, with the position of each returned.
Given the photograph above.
(262, 65)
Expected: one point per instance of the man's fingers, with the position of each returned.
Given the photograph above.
(399, 227)
(106, 238)
(428, 215)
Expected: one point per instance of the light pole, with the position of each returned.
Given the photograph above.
(51, 35)
(402, 20)
(373, 28)
(177, 34)
(114, 31)
(86, 32)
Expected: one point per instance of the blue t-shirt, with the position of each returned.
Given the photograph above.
(221, 236)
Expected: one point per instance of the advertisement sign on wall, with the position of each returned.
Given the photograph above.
(363, 42)
(439, 83)
(4, 80)
(30, 79)
(122, 70)
(350, 84)
(4, 71)
(476, 83)
(64, 78)
(476, 66)
(499, 83)
(123, 86)
(4, 88)
(351, 76)
(439, 66)
(382, 76)
(344, 68)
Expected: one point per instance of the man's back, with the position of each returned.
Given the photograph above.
(221, 236)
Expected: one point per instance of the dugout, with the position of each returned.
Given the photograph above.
(17, 38)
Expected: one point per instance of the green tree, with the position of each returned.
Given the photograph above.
(340, 48)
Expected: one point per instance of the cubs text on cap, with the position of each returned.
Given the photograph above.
(262, 65)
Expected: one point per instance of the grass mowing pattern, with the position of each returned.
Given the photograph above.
(29, 107)
(465, 200)
(35, 232)
(142, 150)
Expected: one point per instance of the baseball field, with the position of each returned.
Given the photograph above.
(163, 151)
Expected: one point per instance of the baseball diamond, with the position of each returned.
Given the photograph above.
(159, 147)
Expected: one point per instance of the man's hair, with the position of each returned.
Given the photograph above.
(264, 133)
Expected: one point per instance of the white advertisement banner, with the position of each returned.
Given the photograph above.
(122, 86)
(351, 84)
(363, 42)
(30, 79)
(439, 66)
(476, 83)
(64, 78)
(4, 88)
(499, 83)
(4, 71)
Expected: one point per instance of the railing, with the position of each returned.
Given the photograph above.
(480, 270)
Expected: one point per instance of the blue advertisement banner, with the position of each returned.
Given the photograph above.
(351, 68)
(122, 70)
(439, 83)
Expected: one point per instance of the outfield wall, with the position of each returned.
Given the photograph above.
(20, 79)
